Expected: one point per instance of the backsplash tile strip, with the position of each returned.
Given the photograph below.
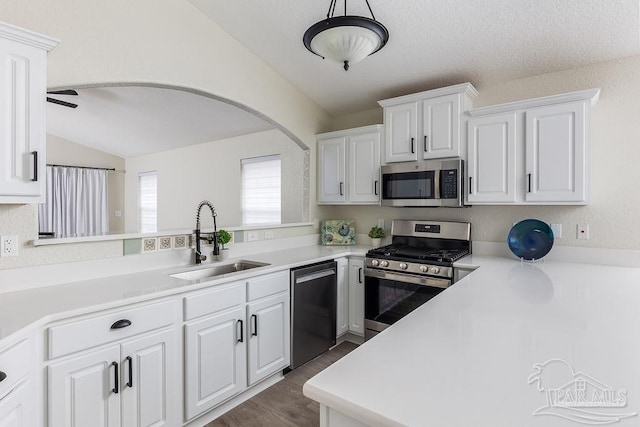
(149, 244)
(179, 242)
(132, 246)
(164, 243)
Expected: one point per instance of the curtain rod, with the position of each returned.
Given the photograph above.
(85, 167)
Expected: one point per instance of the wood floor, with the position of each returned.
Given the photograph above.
(284, 404)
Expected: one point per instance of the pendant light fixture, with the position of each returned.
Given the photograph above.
(346, 39)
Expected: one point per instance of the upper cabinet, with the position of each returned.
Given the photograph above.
(426, 125)
(23, 87)
(531, 152)
(349, 166)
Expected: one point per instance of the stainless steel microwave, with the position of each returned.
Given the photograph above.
(423, 184)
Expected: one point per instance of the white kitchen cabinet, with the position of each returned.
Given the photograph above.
(332, 170)
(18, 402)
(356, 295)
(130, 382)
(215, 360)
(491, 159)
(426, 125)
(268, 324)
(531, 152)
(23, 85)
(342, 300)
(349, 166)
(557, 153)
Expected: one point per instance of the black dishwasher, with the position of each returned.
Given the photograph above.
(313, 311)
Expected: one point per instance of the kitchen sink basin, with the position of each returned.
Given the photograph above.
(218, 270)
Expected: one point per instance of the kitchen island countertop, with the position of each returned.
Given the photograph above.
(493, 348)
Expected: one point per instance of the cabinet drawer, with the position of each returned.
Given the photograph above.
(90, 332)
(266, 285)
(15, 363)
(213, 300)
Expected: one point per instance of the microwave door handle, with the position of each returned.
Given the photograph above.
(436, 185)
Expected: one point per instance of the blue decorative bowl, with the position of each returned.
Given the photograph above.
(530, 239)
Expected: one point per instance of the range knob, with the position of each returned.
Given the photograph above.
(375, 262)
(384, 263)
(435, 270)
(424, 268)
(403, 266)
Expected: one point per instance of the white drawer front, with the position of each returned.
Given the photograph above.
(213, 300)
(15, 363)
(270, 284)
(90, 332)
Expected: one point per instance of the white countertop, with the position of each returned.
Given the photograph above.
(33, 307)
(465, 357)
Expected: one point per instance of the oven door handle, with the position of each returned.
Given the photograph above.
(407, 278)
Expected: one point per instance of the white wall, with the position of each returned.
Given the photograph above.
(168, 42)
(211, 171)
(615, 175)
(67, 153)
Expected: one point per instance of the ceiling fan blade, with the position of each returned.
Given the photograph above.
(66, 104)
(63, 92)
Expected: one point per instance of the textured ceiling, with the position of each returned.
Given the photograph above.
(432, 42)
(131, 121)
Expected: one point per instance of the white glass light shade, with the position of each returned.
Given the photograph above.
(346, 43)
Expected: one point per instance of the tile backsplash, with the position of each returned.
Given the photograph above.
(154, 244)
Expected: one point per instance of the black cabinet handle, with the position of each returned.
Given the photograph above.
(426, 149)
(122, 323)
(35, 165)
(130, 382)
(470, 187)
(529, 184)
(2, 376)
(360, 275)
(342, 188)
(116, 378)
(413, 148)
(254, 318)
(241, 339)
(375, 187)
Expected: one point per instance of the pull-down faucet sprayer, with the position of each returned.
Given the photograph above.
(209, 237)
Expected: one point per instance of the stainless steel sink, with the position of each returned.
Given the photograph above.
(218, 270)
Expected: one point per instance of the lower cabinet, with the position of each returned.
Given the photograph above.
(128, 384)
(215, 360)
(14, 409)
(342, 299)
(356, 295)
(269, 336)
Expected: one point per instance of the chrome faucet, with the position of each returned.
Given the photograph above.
(209, 237)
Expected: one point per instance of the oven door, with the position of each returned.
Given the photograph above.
(389, 296)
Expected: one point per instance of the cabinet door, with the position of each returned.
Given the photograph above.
(215, 360)
(81, 391)
(364, 168)
(331, 171)
(356, 296)
(401, 131)
(342, 301)
(556, 152)
(22, 121)
(148, 381)
(491, 162)
(269, 336)
(15, 408)
(440, 127)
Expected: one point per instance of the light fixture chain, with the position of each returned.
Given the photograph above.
(345, 7)
(332, 9)
(370, 11)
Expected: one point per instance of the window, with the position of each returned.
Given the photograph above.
(261, 190)
(148, 183)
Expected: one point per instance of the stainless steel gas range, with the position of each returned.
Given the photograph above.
(414, 268)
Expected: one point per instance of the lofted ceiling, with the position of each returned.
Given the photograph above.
(130, 121)
(432, 43)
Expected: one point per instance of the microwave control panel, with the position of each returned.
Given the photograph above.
(449, 184)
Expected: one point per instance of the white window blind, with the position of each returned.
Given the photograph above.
(261, 190)
(148, 182)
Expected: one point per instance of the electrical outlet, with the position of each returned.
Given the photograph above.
(582, 232)
(252, 236)
(9, 246)
(381, 223)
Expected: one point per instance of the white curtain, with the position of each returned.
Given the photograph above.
(76, 202)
